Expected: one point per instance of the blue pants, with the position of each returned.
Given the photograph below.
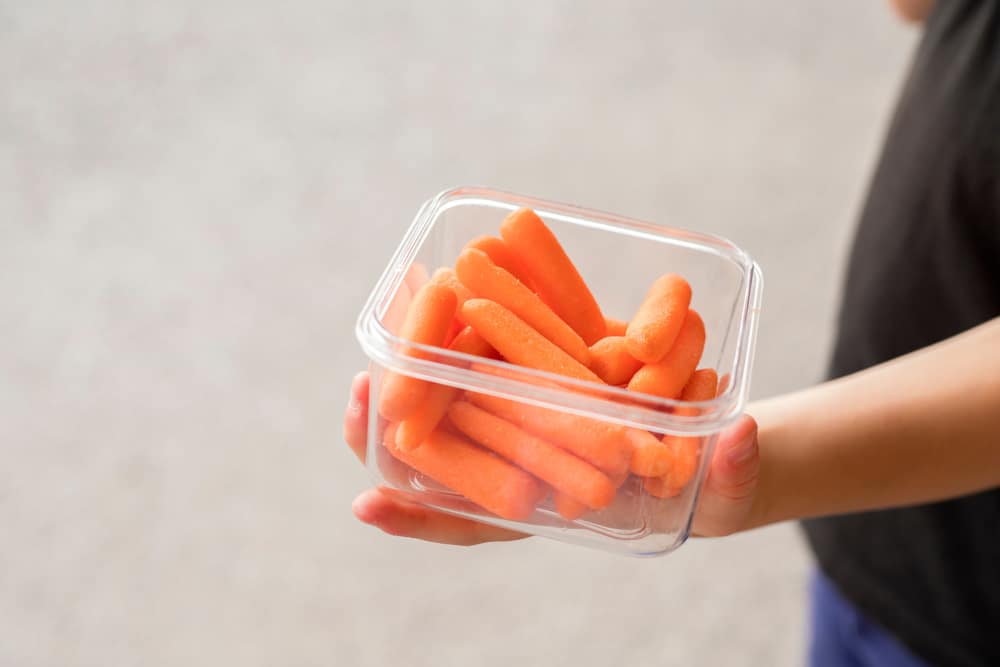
(843, 637)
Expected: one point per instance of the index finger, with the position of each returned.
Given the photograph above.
(356, 416)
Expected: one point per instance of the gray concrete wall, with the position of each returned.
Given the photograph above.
(195, 198)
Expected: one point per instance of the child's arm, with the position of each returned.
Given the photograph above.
(923, 427)
(914, 11)
(917, 429)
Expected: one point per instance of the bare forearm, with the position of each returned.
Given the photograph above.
(914, 11)
(920, 428)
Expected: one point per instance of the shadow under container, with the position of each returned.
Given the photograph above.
(619, 258)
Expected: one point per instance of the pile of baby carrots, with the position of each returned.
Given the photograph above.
(518, 297)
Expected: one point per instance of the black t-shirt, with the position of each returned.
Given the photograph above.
(926, 266)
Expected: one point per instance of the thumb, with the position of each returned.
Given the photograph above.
(736, 462)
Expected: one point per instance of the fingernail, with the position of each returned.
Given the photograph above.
(362, 507)
(354, 406)
(741, 453)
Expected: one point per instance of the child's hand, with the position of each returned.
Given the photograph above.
(725, 507)
(728, 500)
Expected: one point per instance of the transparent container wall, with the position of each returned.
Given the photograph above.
(636, 522)
(619, 263)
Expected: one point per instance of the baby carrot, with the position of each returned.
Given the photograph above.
(656, 324)
(519, 343)
(701, 387)
(567, 507)
(513, 374)
(658, 487)
(667, 377)
(427, 321)
(454, 329)
(612, 362)
(650, 457)
(553, 465)
(684, 450)
(483, 478)
(502, 256)
(445, 276)
(620, 478)
(477, 271)
(602, 445)
(553, 274)
(674, 457)
(684, 461)
(615, 327)
(420, 423)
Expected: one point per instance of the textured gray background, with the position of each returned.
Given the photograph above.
(195, 198)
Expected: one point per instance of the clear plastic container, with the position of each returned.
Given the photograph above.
(619, 258)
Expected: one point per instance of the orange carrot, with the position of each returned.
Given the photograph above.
(683, 450)
(672, 458)
(656, 324)
(483, 478)
(427, 321)
(477, 271)
(684, 462)
(650, 457)
(612, 362)
(620, 478)
(553, 465)
(701, 387)
(470, 342)
(502, 256)
(514, 374)
(657, 487)
(446, 276)
(420, 423)
(553, 274)
(520, 344)
(454, 329)
(667, 377)
(568, 508)
(615, 327)
(601, 444)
